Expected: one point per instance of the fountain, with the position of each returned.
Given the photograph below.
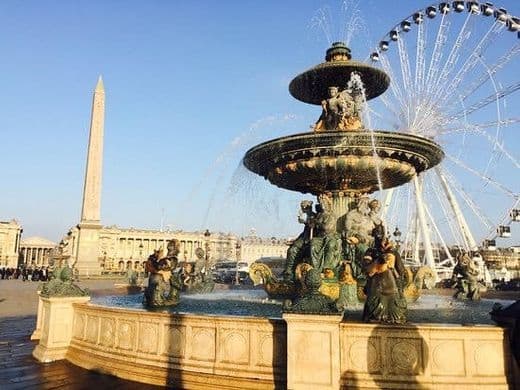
(341, 159)
(190, 346)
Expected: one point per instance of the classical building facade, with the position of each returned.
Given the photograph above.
(254, 248)
(121, 248)
(502, 261)
(10, 236)
(35, 252)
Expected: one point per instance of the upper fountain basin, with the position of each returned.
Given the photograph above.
(312, 85)
(356, 162)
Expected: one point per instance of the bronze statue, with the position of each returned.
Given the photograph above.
(299, 247)
(374, 213)
(61, 280)
(358, 233)
(325, 246)
(197, 278)
(312, 301)
(385, 272)
(163, 284)
(465, 278)
(341, 110)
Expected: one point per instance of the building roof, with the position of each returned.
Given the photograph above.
(37, 241)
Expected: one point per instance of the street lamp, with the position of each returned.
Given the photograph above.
(237, 252)
(397, 234)
(207, 234)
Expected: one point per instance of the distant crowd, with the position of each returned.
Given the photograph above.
(40, 274)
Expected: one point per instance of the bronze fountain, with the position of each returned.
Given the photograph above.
(341, 160)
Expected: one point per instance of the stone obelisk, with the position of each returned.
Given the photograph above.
(87, 256)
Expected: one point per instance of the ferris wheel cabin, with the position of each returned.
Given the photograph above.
(504, 231)
(490, 245)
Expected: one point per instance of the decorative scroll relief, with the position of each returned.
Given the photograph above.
(405, 356)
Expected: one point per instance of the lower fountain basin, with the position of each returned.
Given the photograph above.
(342, 161)
(430, 309)
(234, 348)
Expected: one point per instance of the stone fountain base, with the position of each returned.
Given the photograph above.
(297, 352)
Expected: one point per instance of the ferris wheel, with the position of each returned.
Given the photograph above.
(454, 73)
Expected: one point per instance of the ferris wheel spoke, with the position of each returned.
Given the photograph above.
(487, 100)
(505, 220)
(437, 231)
(471, 61)
(493, 69)
(394, 87)
(478, 212)
(452, 81)
(486, 179)
(405, 69)
(437, 54)
(452, 59)
(454, 204)
(445, 208)
(420, 58)
(476, 129)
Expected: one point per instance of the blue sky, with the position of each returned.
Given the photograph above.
(189, 87)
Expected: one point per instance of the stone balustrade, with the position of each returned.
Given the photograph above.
(297, 352)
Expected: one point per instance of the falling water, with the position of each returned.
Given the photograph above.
(356, 84)
(230, 197)
(350, 19)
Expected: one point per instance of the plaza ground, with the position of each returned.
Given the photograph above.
(19, 370)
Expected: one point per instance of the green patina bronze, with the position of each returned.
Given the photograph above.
(341, 162)
(61, 283)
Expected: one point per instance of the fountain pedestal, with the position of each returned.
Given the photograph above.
(54, 327)
(313, 351)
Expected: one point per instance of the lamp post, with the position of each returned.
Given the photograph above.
(141, 250)
(238, 246)
(207, 234)
(397, 234)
